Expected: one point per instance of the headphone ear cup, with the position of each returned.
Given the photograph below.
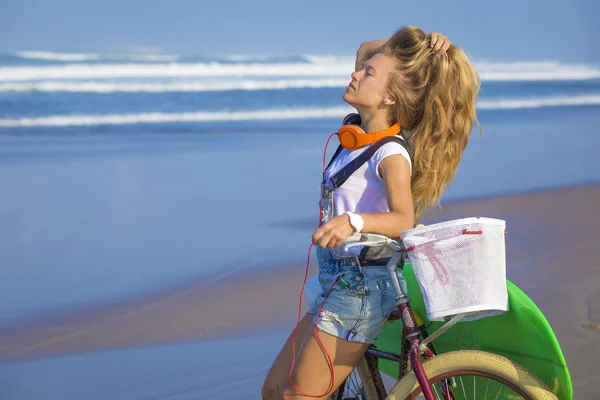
(350, 137)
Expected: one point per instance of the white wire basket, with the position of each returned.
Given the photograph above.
(461, 267)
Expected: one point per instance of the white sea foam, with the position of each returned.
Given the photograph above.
(148, 57)
(149, 118)
(149, 87)
(575, 73)
(171, 70)
(539, 102)
(276, 114)
(51, 56)
(328, 59)
(245, 58)
(322, 66)
(70, 57)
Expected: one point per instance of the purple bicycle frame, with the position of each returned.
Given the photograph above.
(411, 332)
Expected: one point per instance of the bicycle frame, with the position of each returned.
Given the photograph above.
(410, 332)
(410, 350)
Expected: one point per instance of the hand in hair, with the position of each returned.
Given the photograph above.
(439, 43)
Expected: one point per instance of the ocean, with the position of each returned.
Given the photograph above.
(127, 174)
(163, 93)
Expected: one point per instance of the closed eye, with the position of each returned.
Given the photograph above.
(370, 70)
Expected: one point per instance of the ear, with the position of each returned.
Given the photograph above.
(388, 100)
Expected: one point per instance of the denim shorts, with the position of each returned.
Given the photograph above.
(358, 311)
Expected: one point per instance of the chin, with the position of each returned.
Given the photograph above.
(347, 97)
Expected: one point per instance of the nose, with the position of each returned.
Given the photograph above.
(354, 75)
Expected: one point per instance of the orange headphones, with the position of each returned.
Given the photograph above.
(352, 137)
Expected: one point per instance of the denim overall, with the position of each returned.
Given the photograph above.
(361, 296)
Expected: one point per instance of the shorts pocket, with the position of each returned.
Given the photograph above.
(355, 282)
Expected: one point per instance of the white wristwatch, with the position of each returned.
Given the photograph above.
(356, 221)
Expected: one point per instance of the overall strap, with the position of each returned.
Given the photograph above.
(340, 177)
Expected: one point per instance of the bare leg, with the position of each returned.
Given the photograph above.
(277, 377)
(312, 372)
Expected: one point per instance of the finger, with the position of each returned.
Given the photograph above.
(438, 44)
(434, 39)
(316, 236)
(338, 243)
(446, 46)
(324, 240)
(319, 233)
(327, 242)
(335, 240)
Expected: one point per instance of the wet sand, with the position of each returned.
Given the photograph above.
(551, 248)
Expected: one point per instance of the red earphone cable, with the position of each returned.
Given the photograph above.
(330, 388)
(325, 151)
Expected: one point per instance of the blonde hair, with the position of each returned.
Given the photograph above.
(435, 98)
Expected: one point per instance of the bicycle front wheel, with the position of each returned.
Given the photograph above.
(473, 374)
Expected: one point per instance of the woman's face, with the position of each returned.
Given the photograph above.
(368, 88)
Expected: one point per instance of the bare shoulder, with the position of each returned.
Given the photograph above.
(395, 167)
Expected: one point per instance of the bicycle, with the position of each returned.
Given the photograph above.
(440, 375)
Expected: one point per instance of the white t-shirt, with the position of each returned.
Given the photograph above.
(364, 191)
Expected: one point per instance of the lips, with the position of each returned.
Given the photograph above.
(350, 85)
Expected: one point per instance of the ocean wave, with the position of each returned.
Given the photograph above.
(172, 70)
(132, 87)
(150, 118)
(245, 58)
(74, 57)
(566, 75)
(539, 102)
(328, 59)
(317, 66)
(148, 56)
(51, 56)
(271, 114)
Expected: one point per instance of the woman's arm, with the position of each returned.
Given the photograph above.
(438, 43)
(366, 51)
(395, 172)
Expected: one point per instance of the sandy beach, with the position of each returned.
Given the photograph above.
(161, 167)
(551, 243)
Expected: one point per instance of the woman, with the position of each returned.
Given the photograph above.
(429, 89)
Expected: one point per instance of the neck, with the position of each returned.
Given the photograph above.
(374, 123)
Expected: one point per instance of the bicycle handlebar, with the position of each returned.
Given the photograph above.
(370, 239)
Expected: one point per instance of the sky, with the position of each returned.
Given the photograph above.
(561, 30)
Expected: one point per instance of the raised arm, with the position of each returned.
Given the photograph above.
(366, 51)
(438, 43)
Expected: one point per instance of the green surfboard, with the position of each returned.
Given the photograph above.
(522, 335)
